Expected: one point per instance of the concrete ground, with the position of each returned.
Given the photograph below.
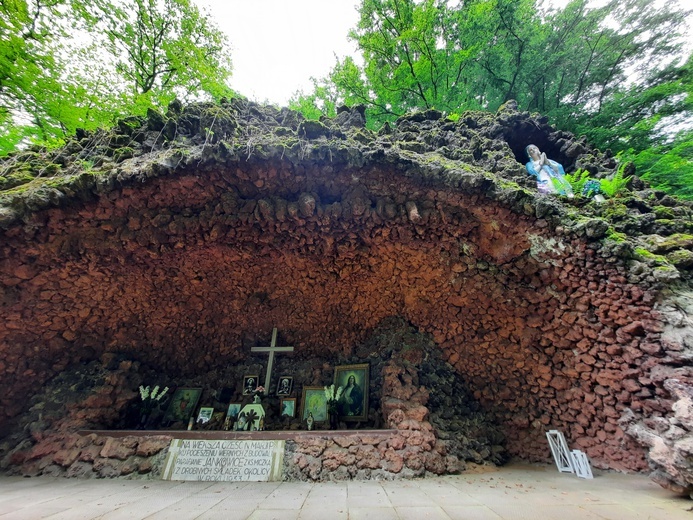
(512, 492)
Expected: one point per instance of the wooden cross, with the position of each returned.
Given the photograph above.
(271, 349)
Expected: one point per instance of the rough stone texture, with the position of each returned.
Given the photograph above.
(359, 457)
(670, 440)
(70, 455)
(182, 252)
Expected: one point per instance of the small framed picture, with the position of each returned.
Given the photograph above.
(233, 410)
(242, 423)
(250, 383)
(314, 401)
(182, 405)
(285, 385)
(205, 414)
(288, 407)
(353, 404)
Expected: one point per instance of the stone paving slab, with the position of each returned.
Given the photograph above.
(513, 492)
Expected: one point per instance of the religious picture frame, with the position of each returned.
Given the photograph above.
(205, 414)
(285, 385)
(287, 407)
(314, 400)
(233, 410)
(182, 405)
(250, 383)
(354, 379)
(241, 423)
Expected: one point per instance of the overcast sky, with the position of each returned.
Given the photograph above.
(277, 45)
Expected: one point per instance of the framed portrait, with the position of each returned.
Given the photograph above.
(205, 414)
(314, 401)
(288, 407)
(250, 383)
(285, 385)
(353, 404)
(182, 405)
(233, 410)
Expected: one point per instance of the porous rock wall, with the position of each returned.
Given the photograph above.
(173, 252)
(96, 456)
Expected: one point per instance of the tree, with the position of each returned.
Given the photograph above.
(128, 55)
(321, 101)
(613, 73)
(401, 68)
(162, 47)
(642, 115)
(27, 58)
(457, 55)
(650, 124)
(669, 166)
(344, 85)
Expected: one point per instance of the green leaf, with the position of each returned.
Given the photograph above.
(130, 55)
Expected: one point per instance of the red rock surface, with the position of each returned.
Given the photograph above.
(128, 275)
(94, 456)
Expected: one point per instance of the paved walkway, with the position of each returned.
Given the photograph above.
(513, 492)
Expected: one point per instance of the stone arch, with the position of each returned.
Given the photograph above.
(171, 259)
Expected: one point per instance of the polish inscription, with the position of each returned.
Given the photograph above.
(224, 460)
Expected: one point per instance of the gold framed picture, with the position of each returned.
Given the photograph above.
(354, 379)
(182, 405)
(314, 401)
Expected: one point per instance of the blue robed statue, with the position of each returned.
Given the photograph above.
(549, 174)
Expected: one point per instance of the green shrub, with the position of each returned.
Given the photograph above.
(612, 187)
(577, 180)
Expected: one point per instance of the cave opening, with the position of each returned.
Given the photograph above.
(196, 273)
(555, 145)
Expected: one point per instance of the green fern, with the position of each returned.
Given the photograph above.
(612, 187)
(577, 180)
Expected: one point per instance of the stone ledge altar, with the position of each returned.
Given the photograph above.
(262, 455)
(409, 448)
(231, 435)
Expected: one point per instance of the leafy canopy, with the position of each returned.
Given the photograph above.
(66, 64)
(478, 54)
(614, 71)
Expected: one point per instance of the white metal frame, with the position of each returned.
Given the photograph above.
(581, 464)
(560, 451)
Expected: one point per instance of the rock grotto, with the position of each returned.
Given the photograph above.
(162, 250)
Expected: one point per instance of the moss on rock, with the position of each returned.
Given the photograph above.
(682, 258)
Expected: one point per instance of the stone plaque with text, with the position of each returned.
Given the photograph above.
(229, 460)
